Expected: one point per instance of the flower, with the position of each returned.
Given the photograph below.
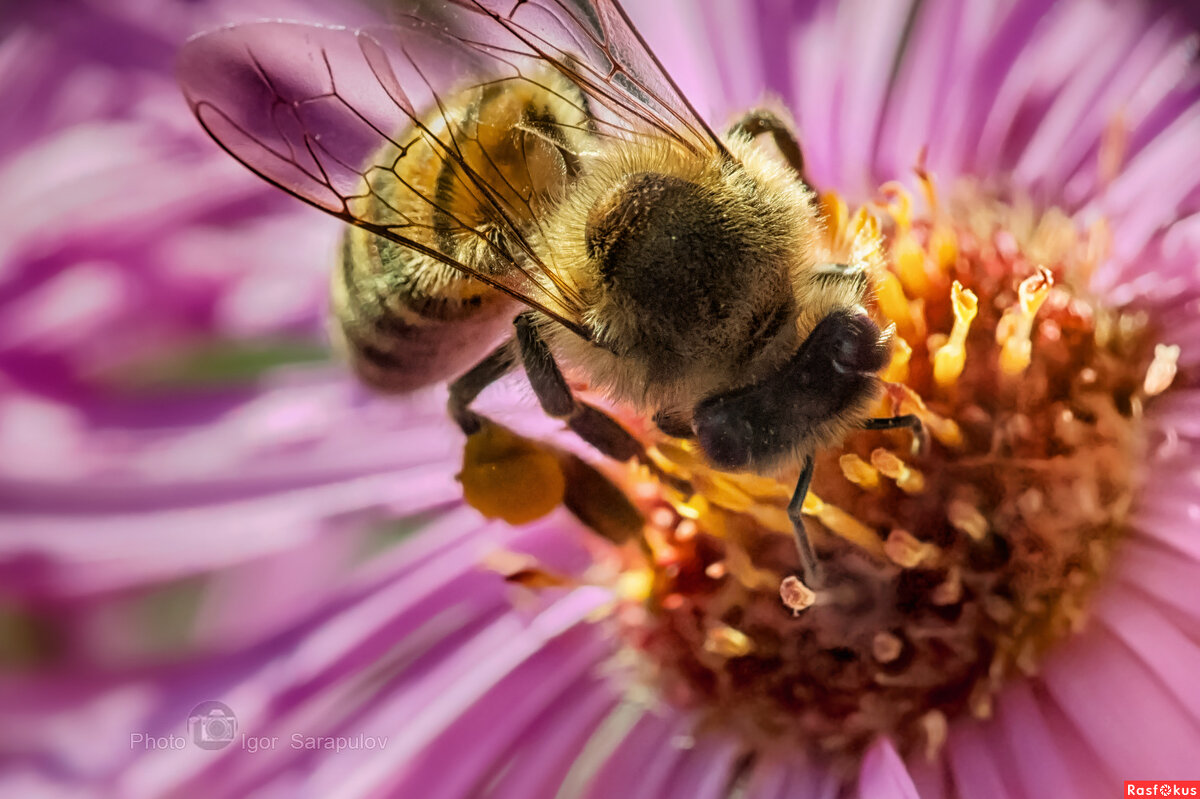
(240, 544)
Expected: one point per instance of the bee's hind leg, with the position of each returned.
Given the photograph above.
(759, 121)
(591, 424)
(466, 388)
(810, 567)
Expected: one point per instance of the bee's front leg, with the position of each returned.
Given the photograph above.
(809, 565)
(591, 424)
(909, 420)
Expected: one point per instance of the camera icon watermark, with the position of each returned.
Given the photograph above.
(212, 725)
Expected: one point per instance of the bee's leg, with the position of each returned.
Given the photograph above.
(759, 121)
(674, 426)
(591, 424)
(909, 420)
(465, 389)
(809, 566)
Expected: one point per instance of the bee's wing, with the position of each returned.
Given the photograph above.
(313, 110)
(592, 43)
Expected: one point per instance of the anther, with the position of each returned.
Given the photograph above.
(858, 471)
(949, 361)
(1161, 372)
(966, 518)
(907, 551)
(795, 594)
(909, 480)
(1015, 329)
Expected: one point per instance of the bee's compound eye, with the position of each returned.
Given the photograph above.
(725, 434)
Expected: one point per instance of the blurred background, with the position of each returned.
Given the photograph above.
(189, 484)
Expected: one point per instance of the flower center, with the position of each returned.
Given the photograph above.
(945, 573)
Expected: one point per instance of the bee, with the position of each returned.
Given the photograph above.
(529, 189)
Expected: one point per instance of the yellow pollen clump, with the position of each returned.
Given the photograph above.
(1016, 326)
(506, 476)
(949, 360)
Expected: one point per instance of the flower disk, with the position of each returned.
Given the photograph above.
(947, 572)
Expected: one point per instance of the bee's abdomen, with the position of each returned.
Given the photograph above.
(406, 321)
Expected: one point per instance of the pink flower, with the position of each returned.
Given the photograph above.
(285, 543)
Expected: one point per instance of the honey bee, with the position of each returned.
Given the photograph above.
(531, 160)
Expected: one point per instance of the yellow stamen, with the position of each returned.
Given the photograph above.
(910, 480)
(835, 212)
(1015, 329)
(898, 203)
(795, 594)
(858, 471)
(910, 264)
(927, 186)
(945, 431)
(1161, 372)
(943, 247)
(842, 524)
(635, 585)
(897, 369)
(966, 518)
(727, 642)
(894, 303)
(949, 361)
(907, 551)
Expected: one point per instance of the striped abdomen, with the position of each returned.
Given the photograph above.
(406, 319)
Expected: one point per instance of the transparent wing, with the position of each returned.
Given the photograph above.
(592, 43)
(330, 114)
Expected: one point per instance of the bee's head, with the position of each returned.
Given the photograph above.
(831, 377)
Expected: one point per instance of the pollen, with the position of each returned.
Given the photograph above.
(506, 476)
(909, 480)
(949, 567)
